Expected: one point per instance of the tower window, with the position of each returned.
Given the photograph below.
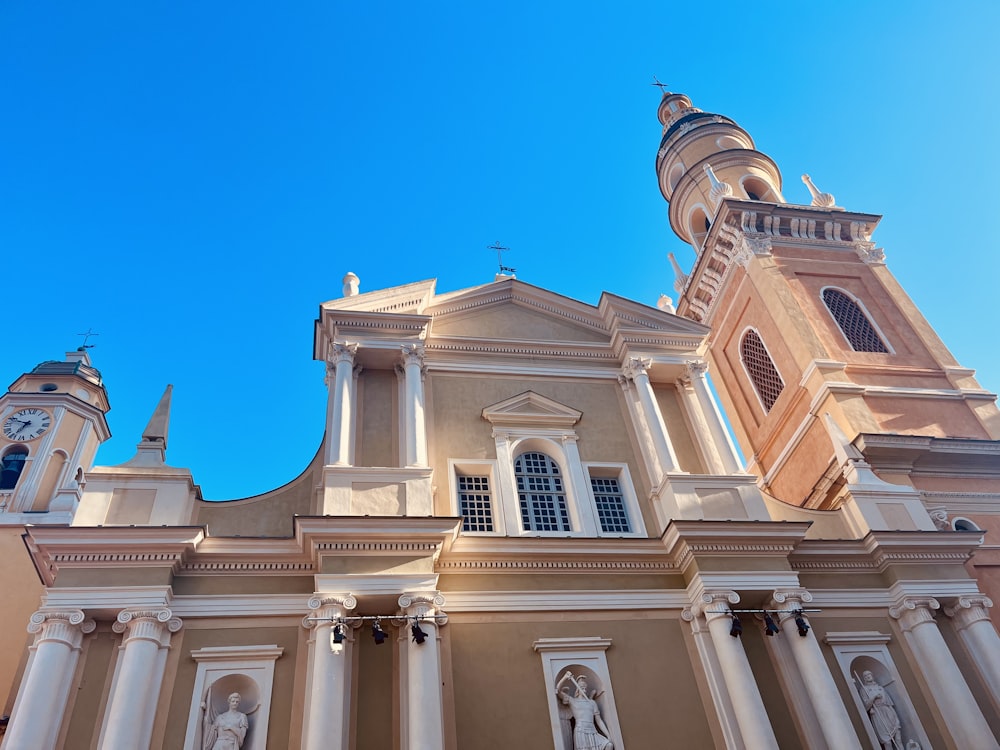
(11, 467)
(540, 493)
(763, 374)
(857, 329)
(475, 503)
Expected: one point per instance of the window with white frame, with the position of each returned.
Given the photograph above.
(610, 504)
(475, 503)
(541, 495)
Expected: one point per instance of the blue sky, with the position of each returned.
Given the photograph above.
(193, 179)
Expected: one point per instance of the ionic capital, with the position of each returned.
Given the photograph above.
(696, 368)
(328, 607)
(715, 604)
(423, 604)
(912, 611)
(968, 610)
(787, 601)
(147, 624)
(64, 626)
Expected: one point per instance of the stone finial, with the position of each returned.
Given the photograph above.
(680, 278)
(352, 284)
(152, 449)
(719, 189)
(665, 303)
(823, 200)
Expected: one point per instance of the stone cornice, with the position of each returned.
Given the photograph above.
(880, 550)
(480, 554)
(687, 540)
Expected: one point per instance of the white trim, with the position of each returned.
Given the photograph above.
(619, 471)
(864, 311)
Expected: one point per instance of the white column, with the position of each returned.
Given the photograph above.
(340, 404)
(754, 724)
(830, 711)
(636, 370)
(655, 473)
(414, 431)
(699, 427)
(138, 676)
(41, 704)
(713, 417)
(971, 617)
(423, 717)
(328, 697)
(945, 681)
(580, 483)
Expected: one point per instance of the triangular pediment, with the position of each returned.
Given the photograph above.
(530, 408)
(513, 310)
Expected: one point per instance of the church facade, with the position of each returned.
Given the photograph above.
(527, 525)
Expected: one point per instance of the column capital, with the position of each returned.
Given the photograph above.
(328, 606)
(914, 610)
(787, 599)
(635, 367)
(67, 626)
(696, 368)
(147, 624)
(344, 352)
(412, 354)
(714, 603)
(967, 610)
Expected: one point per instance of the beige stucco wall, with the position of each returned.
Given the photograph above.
(378, 419)
(21, 590)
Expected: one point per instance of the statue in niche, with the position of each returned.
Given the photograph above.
(228, 730)
(586, 714)
(881, 710)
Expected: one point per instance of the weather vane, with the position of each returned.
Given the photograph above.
(87, 335)
(500, 249)
(661, 86)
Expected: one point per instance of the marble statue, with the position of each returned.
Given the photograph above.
(589, 730)
(881, 710)
(225, 731)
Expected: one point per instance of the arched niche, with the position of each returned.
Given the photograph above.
(223, 671)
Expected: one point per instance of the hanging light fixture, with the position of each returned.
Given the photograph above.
(737, 628)
(338, 634)
(801, 624)
(770, 626)
(377, 633)
(418, 635)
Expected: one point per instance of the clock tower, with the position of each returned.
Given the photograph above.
(52, 420)
(817, 351)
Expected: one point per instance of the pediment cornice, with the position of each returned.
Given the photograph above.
(530, 409)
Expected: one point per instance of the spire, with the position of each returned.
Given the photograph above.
(152, 449)
(823, 200)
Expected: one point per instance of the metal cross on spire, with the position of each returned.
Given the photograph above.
(87, 335)
(500, 249)
(661, 86)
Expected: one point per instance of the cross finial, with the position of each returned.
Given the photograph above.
(500, 249)
(661, 86)
(87, 335)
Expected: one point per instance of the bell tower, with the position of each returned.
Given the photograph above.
(807, 321)
(52, 420)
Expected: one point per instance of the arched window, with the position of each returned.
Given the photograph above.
(964, 524)
(540, 493)
(763, 374)
(858, 330)
(11, 467)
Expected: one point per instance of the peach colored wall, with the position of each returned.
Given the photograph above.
(22, 591)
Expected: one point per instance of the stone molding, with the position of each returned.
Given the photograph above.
(912, 611)
(968, 610)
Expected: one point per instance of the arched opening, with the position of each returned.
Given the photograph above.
(699, 225)
(11, 466)
(676, 172)
(760, 368)
(757, 189)
(964, 524)
(853, 323)
(541, 493)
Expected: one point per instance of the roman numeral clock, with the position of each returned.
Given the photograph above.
(26, 424)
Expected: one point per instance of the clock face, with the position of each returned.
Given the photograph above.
(26, 424)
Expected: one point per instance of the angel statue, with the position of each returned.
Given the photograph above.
(586, 714)
(228, 730)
